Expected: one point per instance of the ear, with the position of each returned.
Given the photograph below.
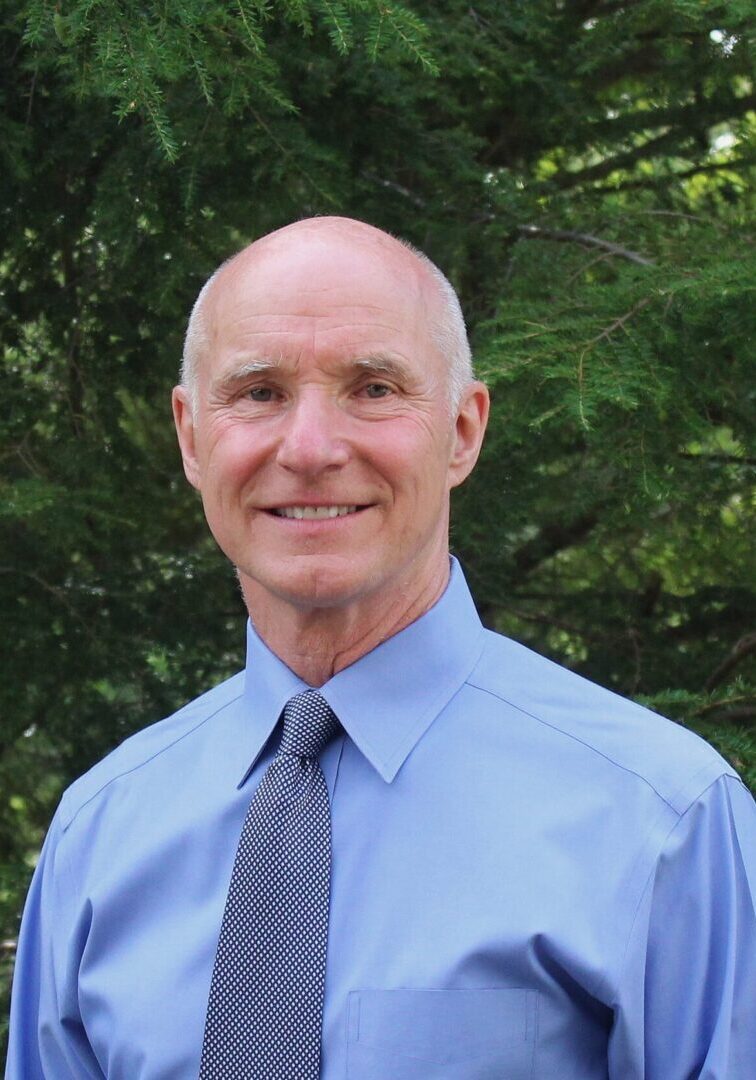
(184, 420)
(469, 429)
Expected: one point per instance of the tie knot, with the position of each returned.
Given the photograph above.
(309, 723)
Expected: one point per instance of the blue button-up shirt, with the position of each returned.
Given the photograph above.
(532, 878)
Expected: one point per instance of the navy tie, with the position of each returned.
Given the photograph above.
(265, 1010)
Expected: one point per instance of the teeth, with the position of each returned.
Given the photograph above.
(315, 513)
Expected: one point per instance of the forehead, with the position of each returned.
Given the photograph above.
(330, 291)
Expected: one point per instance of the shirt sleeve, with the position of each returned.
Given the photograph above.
(47, 1037)
(687, 1000)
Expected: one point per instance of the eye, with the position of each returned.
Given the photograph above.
(260, 393)
(377, 390)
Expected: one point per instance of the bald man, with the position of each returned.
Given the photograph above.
(483, 866)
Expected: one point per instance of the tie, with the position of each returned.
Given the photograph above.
(265, 1009)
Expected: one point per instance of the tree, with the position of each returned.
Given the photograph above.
(582, 170)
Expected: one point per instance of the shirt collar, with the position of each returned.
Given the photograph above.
(387, 699)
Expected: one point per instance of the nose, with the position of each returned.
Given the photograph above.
(312, 440)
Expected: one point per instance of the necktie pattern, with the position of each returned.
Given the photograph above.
(264, 1013)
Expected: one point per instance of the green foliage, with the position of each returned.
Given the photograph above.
(140, 57)
(584, 172)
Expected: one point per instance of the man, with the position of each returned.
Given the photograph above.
(527, 876)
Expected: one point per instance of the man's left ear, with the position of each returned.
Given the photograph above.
(469, 429)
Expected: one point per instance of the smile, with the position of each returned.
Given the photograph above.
(314, 513)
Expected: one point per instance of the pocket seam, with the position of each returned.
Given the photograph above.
(528, 1038)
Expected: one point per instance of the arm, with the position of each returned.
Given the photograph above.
(47, 1037)
(687, 1000)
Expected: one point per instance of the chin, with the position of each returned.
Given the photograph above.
(315, 586)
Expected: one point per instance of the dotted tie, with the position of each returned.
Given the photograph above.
(265, 1010)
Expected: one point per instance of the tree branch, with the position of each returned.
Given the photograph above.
(725, 459)
(713, 706)
(650, 148)
(742, 712)
(535, 232)
(742, 648)
(391, 185)
(707, 112)
(551, 539)
(656, 181)
(527, 232)
(697, 218)
(620, 321)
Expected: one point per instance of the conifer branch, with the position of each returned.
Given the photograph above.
(553, 538)
(535, 232)
(740, 650)
(736, 715)
(620, 322)
(400, 189)
(723, 459)
(714, 706)
(655, 181)
(650, 148)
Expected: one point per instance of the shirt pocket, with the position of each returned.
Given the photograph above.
(441, 1034)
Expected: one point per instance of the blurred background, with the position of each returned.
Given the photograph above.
(582, 171)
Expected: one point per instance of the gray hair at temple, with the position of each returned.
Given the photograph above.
(448, 332)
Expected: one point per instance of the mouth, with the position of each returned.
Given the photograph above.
(315, 513)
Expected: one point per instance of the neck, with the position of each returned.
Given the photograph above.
(318, 642)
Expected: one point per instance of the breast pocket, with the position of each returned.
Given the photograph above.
(441, 1034)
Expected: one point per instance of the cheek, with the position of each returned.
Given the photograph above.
(414, 462)
(231, 456)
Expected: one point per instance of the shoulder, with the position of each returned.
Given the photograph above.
(151, 742)
(659, 753)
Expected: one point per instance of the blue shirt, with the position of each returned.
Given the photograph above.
(532, 878)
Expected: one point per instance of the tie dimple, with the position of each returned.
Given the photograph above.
(264, 1014)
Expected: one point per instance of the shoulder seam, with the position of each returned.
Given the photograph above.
(68, 821)
(599, 753)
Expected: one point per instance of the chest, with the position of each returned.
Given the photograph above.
(470, 937)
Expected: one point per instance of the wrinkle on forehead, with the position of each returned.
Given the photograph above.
(323, 240)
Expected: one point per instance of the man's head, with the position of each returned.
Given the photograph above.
(447, 327)
(319, 418)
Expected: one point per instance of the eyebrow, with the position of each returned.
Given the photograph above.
(239, 374)
(373, 364)
(380, 364)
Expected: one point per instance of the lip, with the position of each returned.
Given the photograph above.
(314, 504)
